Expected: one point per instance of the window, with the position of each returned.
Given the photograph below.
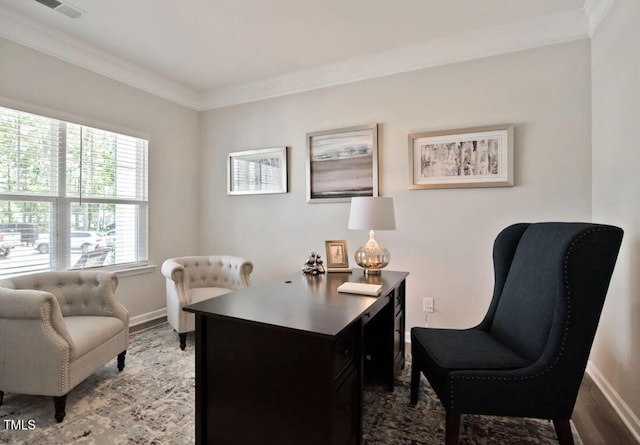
(71, 196)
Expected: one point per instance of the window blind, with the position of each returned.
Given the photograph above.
(80, 192)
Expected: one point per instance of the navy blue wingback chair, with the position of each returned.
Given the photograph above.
(528, 356)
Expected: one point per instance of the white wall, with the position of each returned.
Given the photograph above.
(615, 358)
(38, 80)
(444, 237)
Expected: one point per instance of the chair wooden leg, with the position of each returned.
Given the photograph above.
(121, 360)
(415, 383)
(60, 404)
(183, 340)
(563, 431)
(452, 428)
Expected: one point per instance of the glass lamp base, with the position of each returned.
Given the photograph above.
(372, 257)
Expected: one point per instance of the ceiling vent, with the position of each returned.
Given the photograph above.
(62, 8)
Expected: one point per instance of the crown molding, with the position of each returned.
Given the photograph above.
(546, 30)
(596, 10)
(27, 32)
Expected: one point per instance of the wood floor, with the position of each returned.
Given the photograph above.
(594, 418)
(596, 421)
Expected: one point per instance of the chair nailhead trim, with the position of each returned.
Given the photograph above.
(566, 324)
(45, 313)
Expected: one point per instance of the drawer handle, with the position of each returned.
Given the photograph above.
(346, 352)
(368, 314)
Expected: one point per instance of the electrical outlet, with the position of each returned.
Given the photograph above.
(427, 305)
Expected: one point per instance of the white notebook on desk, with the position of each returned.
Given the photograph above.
(360, 288)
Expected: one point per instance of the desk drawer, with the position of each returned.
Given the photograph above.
(343, 351)
(398, 343)
(345, 413)
(374, 309)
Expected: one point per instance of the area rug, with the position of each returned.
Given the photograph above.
(152, 402)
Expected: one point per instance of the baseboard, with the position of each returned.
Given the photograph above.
(149, 316)
(627, 416)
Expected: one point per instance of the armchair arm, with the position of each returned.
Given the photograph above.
(18, 309)
(108, 298)
(238, 270)
(174, 272)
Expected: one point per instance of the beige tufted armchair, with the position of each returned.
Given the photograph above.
(56, 329)
(191, 279)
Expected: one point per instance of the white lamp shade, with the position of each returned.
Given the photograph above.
(372, 213)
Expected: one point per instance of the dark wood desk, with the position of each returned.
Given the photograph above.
(285, 362)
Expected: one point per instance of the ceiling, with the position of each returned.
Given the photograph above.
(209, 53)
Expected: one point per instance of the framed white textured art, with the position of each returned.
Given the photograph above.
(469, 157)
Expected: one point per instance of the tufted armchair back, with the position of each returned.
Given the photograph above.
(215, 271)
(77, 292)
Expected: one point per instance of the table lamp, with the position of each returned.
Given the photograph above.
(372, 213)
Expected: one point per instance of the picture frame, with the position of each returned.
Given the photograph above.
(462, 158)
(261, 171)
(342, 163)
(337, 256)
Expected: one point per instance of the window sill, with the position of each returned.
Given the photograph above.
(130, 270)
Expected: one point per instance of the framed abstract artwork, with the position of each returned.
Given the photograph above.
(342, 163)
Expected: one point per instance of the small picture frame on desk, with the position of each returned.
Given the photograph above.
(337, 256)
